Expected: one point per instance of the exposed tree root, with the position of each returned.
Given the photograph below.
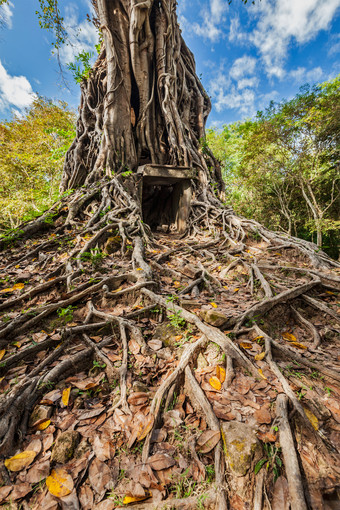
(244, 336)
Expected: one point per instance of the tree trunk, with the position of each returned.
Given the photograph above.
(143, 102)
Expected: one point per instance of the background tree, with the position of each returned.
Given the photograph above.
(282, 168)
(32, 152)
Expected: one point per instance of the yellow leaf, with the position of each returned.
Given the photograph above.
(298, 345)
(17, 266)
(260, 356)
(139, 269)
(330, 292)
(177, 284)
(236, 290)
(66, 396)
(257, 338)
(225, 287)
(20, 461)
(43, 425)
(18, 286)
(134, 499)
(215, 383)
(289, 337)
(219, 268)
(214, 305)
(7, 290)
(246, 345)
(262, 375)
(145, 428)
(312, 418)
(220, 373)
(2, 353)
(17, 344)
(117, 290)
(59, 483)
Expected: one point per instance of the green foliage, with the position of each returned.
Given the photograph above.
(50, 19)
(282, 168)
(177, 320)
(81, 68)
(32, 150)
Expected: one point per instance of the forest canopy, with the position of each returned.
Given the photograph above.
(282, 167)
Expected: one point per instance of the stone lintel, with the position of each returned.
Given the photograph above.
(165, 173)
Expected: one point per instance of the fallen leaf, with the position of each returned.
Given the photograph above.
(215, 383)
(312, 418)
(289, 337)
(208, 440)
(220, 374)
(18, 286)
(298, 345)
(42, 424)
(214, 305)
(262, 416)
(267, 437)
(161, 461)
(128, 500)
(2, 353)
(262, 374)
(66, 396)
(280, 499)
(59, 483)
(236, 290)
(145, 428)
(100, 477)
(260, 356)
(246, 345)
(20, 461)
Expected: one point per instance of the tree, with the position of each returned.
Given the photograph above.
(32, 151)
(282, 168)
(106, 296)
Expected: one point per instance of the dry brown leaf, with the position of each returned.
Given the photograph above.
(4, 491)
(208, 440)
(39, 471)
(20, 461)
(138, 398)
(215, 383)
(263, 415)
(59, 483)
(86, 497)
(101, 448)
(134, 347)
(20, 490)
(100, 477)
(280, 499)
(160, 461)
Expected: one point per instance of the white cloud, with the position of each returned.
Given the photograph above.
(248, 83)
(6, 14)
(242, 66)
(82, 36)
(282, 22)
(213, 18)
(15, 91)
(302, 75)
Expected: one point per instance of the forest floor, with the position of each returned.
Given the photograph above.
(203, 373)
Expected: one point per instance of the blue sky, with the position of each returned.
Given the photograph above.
(246, 55)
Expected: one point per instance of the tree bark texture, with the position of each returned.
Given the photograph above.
(143, 102)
